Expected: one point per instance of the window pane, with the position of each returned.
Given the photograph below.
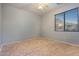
(60, 22)
(71, 20)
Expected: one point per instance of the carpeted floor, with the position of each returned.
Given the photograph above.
(39, 47)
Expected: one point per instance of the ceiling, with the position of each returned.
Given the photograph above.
(30, 7)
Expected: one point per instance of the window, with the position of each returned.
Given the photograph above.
(60, 22)
(67, 21)
(71, 20)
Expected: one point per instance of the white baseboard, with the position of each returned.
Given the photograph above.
(77, 45)
(41, 37)
(16, 41)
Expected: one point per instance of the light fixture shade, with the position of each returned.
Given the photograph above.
(40, 6)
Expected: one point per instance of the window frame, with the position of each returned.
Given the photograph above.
(56, 20)
(65, 19)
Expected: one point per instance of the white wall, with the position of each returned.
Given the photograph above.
(19, 24)
(0, 25)
(48, 26)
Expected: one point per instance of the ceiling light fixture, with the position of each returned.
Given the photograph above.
(40, 6)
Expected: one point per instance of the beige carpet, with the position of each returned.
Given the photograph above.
(39, 47)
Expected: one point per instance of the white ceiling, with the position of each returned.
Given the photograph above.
(29, 7)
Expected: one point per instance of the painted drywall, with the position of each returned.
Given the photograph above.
(19, 24)
(48, 23)
(0, 25)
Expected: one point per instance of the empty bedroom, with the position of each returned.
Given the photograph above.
(39, 29)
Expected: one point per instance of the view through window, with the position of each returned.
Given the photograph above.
(67, 21)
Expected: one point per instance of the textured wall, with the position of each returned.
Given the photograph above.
(48, 26)
(0, 24)
(19, 24)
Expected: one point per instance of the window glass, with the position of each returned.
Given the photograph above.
(71, 20)
(60, 22)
